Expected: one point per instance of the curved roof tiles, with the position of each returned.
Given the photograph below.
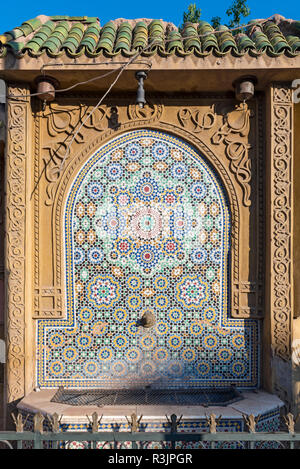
(75, 36)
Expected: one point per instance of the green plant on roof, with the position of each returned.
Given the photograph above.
(237, 10)
(215, 21)
(193, 14)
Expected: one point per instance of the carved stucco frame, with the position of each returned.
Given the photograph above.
(229, 177)
(17, 283)
(79, 160)
(279, 231)
(22, 274)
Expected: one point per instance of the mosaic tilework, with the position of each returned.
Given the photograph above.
(147, 229)
(269, 422)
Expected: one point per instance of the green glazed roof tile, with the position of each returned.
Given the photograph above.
(277, 39)
(294, 43)
(57, 38)
(33, 24)
(74, 38)
(156, 25)
(16, 46)
(71, 44)
(15, 33)
(244, 43)
(209, 43)
(261, 41)
(225, 39)
(191, 40)
(174, 41)
(280, 44)
(34, 45)
(208, 38)
(75, 35)
(105, 45)
(140, 36)
(52, 44)
(110, 26)
(26, 29)
(49, 25)
(90, 37)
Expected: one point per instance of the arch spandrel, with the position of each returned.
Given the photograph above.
(213, 329)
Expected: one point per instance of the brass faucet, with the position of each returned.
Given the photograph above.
(147, 320)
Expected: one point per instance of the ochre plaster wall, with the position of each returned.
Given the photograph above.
(212, 125)
(2, 296)
(218, 127)
(296, 239)
(297, 210)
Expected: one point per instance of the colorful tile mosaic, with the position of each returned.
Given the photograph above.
(147, 230)
(269, 422)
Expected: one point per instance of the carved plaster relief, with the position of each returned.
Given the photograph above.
(218, 129)
(201, 122)
(281, 218)
(17, 117)
(234, 132)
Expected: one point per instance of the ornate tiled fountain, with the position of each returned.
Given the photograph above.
(147, 233)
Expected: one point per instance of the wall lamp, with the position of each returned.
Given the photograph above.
(46, 87)
(140, 95)
(244, 87)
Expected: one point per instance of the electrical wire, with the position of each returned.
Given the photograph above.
(100, 102)
(149, 65)
(59, 64)
(106, 93)
(154, 42)
(121, 70)
(86, 119)
(98, 77)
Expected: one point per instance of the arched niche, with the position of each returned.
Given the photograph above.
(147, 228)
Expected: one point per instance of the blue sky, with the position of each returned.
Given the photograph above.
(13, 14)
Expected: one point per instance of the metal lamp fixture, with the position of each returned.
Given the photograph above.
(245, 88)
(140, 95)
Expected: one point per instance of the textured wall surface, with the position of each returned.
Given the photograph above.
(297, 207)
(2, 335)
(296, 322)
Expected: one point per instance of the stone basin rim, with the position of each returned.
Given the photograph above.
(254, 402)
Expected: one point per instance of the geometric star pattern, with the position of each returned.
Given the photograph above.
(147, 230)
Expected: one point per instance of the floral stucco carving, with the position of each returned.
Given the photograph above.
(281, 219)
(234, 133)
(17, 148)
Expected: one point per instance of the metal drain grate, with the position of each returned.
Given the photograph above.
(147, 396)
